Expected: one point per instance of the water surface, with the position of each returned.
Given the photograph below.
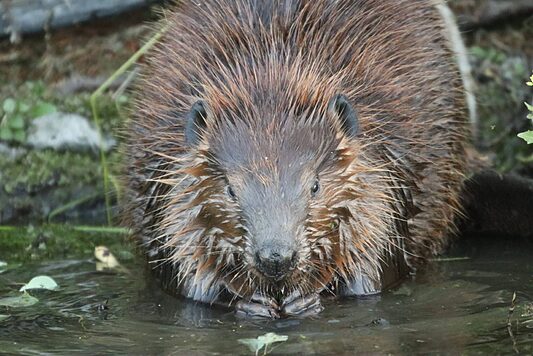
(454, 306)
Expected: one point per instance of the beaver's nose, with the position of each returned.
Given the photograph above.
(275, 264)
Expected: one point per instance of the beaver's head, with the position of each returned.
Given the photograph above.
(277, 172)
(275, 200)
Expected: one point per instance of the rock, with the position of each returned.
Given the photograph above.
(11, 153)
(61, 131)
(30, 16)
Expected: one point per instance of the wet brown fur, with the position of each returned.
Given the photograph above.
(264, 77)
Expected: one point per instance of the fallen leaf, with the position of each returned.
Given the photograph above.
(40, 282)
(258, 343)
(24, 300)
(106, 258)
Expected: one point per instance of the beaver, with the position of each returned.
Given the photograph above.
(284, 149)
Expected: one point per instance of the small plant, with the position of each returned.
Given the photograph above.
(12, 127)
(489, 54)
(528, 135)
(15, 114)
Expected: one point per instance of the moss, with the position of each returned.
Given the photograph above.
(38, 169)
(57, 242)
(110, 109)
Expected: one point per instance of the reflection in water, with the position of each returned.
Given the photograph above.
(453, 306)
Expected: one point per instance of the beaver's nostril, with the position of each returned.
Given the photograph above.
(274, 264)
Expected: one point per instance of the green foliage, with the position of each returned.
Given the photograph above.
(16, 113)
(490, 54)
(39, 169)
(23, 244)
(500, 93)
(528, 135)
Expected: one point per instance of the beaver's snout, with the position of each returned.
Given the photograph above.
(275, 264)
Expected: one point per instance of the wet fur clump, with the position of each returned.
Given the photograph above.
(256, 80)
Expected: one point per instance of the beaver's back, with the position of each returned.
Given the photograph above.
(388, 56)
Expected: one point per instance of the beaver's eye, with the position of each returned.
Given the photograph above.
(230, 192)
(315, 188)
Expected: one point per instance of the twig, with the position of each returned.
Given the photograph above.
(72, 204)
(449, 259)
(509, 324)
(102, 229)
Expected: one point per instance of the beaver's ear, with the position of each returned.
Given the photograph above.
(196, 123)
(340, 108)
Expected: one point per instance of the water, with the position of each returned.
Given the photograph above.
(454, 306)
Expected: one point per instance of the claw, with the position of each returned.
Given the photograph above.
(258, 306)
(296, 305)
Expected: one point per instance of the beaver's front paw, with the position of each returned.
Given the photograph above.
(301, 306)
(258, 307)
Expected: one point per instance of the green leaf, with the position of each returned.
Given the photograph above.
(16, 122)
(19, 136)
(42, 109)
(478, 52)
(37, 88)
(24, 300)
(4, 317)
(3, 266)
(255, 345)
(527, 136)
(499, 57)
(5, 133)
(528, 106)
(24, 108)
(40, 282)
(122, 99)
(9, 106)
